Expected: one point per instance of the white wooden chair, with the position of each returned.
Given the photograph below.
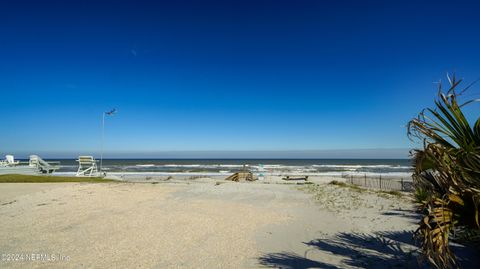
(87, 166)
(10, 160)
(33, 161)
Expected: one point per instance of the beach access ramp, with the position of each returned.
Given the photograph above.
(43, 166)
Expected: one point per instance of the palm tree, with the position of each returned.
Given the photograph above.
(447, 170)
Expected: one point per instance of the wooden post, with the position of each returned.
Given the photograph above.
(401, 182)
(351, 179)
(380, 182)
(365, 179)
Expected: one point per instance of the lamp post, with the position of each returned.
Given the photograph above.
(108, 113)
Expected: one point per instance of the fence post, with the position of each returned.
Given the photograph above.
(401, 182)
(351, 179)
(365, 179)
(380, 182)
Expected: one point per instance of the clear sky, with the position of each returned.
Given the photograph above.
(226, 75)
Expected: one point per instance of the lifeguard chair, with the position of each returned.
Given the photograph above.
(87, 166)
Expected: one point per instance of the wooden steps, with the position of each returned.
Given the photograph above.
(242, 176)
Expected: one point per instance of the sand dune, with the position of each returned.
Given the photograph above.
(203, 225)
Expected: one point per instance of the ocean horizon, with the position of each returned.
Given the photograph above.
(332, 167)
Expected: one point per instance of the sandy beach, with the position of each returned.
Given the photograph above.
(204, 224)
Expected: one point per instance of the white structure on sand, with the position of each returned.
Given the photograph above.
(87, 166)
(34, 166)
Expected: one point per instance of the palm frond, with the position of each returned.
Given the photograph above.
(447, 172)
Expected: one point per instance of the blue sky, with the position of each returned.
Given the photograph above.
(227, 75)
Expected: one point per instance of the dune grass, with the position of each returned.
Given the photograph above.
(344, 184)
(391, 192)
(48, 179)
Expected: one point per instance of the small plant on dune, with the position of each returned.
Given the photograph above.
(394, 193)
(338, 183)
(346, 185)
(447, 175)
(420, 195)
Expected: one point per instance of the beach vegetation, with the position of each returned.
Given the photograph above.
(420, 195)
(48, 179)
(350, 186)
(447, 173)
(338, 183)
(394, 193)
(305, 183)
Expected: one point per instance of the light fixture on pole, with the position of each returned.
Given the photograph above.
(108, 113)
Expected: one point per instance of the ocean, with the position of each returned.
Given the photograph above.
(334, 167)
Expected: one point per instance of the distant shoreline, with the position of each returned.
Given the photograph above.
(274, 167)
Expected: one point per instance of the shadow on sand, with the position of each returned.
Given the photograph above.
(413, 216)
(378, 250)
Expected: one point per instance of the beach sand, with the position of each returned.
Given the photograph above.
(204, 224)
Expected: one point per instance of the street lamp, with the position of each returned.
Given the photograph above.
(108, 113)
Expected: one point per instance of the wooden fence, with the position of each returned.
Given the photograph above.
(381, 182)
